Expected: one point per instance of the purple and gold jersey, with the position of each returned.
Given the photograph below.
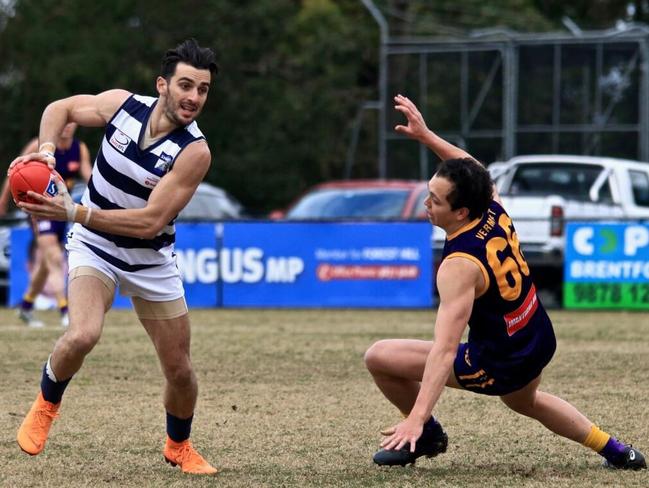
(68, 163)
(510, 334)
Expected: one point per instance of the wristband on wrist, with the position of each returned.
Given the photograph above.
(80, 214)
(47, 147)
(71, 213)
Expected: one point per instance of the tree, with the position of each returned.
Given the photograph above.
(294, 72)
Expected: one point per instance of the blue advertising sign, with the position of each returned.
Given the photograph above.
(19, 264)
(606, 265)
(286, 264)
(196, 257)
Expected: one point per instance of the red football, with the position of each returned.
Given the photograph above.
(32, 176)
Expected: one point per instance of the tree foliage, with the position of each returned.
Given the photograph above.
(293, 72)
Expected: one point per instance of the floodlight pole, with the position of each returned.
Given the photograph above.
(383, 82)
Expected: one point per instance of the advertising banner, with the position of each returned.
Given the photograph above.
(196, 259)
(606, 266)
(285, 264)
(288, 264)
(20, 263)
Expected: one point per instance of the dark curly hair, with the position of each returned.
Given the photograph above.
(191, 53)
(472, 185)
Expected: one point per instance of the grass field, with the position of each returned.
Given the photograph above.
(285, 401)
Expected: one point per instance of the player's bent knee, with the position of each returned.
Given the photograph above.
(80, 342)
(376, 356)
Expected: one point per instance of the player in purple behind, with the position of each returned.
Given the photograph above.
(73, 164)
(483, 281)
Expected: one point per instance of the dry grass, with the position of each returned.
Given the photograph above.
(285, 401)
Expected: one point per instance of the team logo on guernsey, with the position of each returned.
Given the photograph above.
(164, 162)
(119, 140)
(51, 189)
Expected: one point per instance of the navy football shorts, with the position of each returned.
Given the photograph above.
(59, 229)
(475, 376)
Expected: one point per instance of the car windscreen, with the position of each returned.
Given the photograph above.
(572, 181)
(376, 203)
(207, 206)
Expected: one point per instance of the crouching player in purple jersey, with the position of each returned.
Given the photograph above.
(483, 281)
(151, 160)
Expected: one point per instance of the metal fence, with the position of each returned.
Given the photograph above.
(505, 93)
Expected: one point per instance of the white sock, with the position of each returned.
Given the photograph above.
(49, 371)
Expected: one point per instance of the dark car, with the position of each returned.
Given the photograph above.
(360, 200)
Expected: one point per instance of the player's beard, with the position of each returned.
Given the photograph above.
(171, 108)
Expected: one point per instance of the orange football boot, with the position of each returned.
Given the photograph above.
(184, 455)
(32, 433)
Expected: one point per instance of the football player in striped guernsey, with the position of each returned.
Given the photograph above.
(151, 160)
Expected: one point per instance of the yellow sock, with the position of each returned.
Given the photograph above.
(596, 439)
(29, 298)
(63, 303)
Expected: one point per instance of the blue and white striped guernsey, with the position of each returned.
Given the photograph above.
(124, 176)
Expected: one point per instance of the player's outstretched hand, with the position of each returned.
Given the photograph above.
(416, 127)
(404, 432)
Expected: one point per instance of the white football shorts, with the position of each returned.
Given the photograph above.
(157, 284)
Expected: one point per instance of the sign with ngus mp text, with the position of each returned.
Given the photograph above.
(289, 264)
